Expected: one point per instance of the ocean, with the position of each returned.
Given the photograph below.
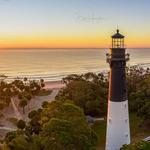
(54, 64)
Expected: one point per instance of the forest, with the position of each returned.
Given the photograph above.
(71, 121)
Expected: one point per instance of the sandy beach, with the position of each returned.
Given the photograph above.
(54, 85)
(13, 111)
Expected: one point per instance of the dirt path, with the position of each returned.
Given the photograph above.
(37, 101)
(16, 111)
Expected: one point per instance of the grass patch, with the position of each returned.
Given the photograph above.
(138, 131)
(100, 129)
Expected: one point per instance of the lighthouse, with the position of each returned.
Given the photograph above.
(118, 131)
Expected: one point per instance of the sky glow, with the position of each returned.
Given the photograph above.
(73, 23)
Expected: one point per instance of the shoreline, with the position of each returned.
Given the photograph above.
(56, 80)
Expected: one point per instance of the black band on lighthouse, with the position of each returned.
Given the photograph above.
(117, 87)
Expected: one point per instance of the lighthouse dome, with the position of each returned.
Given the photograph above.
(117, 35)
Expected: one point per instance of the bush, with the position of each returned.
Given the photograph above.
(137, 146)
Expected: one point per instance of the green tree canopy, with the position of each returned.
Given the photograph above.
(59, 126)
(88, 91)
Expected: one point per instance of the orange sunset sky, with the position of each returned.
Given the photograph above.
(73, 23)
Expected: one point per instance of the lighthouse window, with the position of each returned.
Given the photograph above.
(125, 105)
(110, 120)
(126, 135)
(118, 43)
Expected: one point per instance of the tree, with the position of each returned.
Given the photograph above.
(138, 87)
(42, 83)
(23, 103)
(32, 114)
(62, 131)
(28, 97)
(34, 126)
(44, 104)
(19, 143)
(144, 112)
(21, 124)
(57, 135)
(20, 96)
(93, 108)
(34, 87)
(25, 79)
(42, 80)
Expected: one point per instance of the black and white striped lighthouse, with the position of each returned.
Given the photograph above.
(118, 131)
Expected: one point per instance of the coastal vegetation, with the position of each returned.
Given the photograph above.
(88, 91)
(142, 145)
(139, 93)
(24, 90)
(59, 126)
(63, 124)
(93, 89)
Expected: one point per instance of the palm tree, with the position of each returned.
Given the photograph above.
(23, 102)
(28, 97)
(25, 80)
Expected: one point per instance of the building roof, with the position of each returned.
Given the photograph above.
(117, 35)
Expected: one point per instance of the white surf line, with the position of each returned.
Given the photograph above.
(18, 115)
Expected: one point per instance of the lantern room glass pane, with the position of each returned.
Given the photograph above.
(118, 43)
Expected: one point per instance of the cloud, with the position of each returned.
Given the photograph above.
(90, 18)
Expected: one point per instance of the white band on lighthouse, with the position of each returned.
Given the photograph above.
(117, 125)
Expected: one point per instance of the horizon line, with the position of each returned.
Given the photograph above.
(70, 48)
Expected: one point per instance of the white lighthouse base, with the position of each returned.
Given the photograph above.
(118, 131)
